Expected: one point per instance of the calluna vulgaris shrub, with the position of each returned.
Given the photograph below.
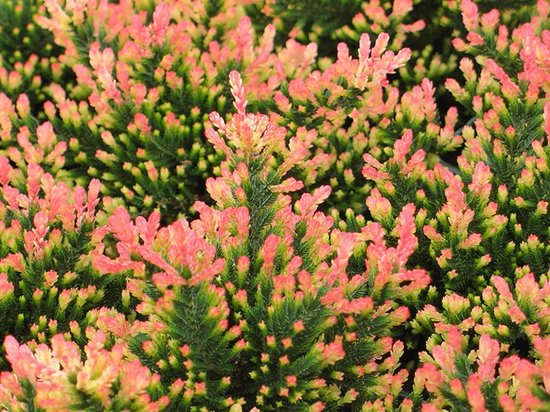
(136, 115)
(28, 57)
(49, 239)
(274, 205)
(260, 302)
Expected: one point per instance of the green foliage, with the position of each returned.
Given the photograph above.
(363, 223)
(49, 238)
(254, 303)
(143, 136)
(28, 57)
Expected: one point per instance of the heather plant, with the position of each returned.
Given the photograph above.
(142, 134)
(49, 239)
(28, 57)
(62, 377)
(482, 226)
(483, 378)
(511, 130)
(492, 216)
(354, 109)
(377, 240)
(426, 26)
(258, 303)
(136, 115)
(423, 26)
(493, 228)
(37, 142)
(515, 316)
(465, 236)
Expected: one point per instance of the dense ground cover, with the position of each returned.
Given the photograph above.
(274, 205)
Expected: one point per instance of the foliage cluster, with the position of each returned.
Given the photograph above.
(216, 205)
